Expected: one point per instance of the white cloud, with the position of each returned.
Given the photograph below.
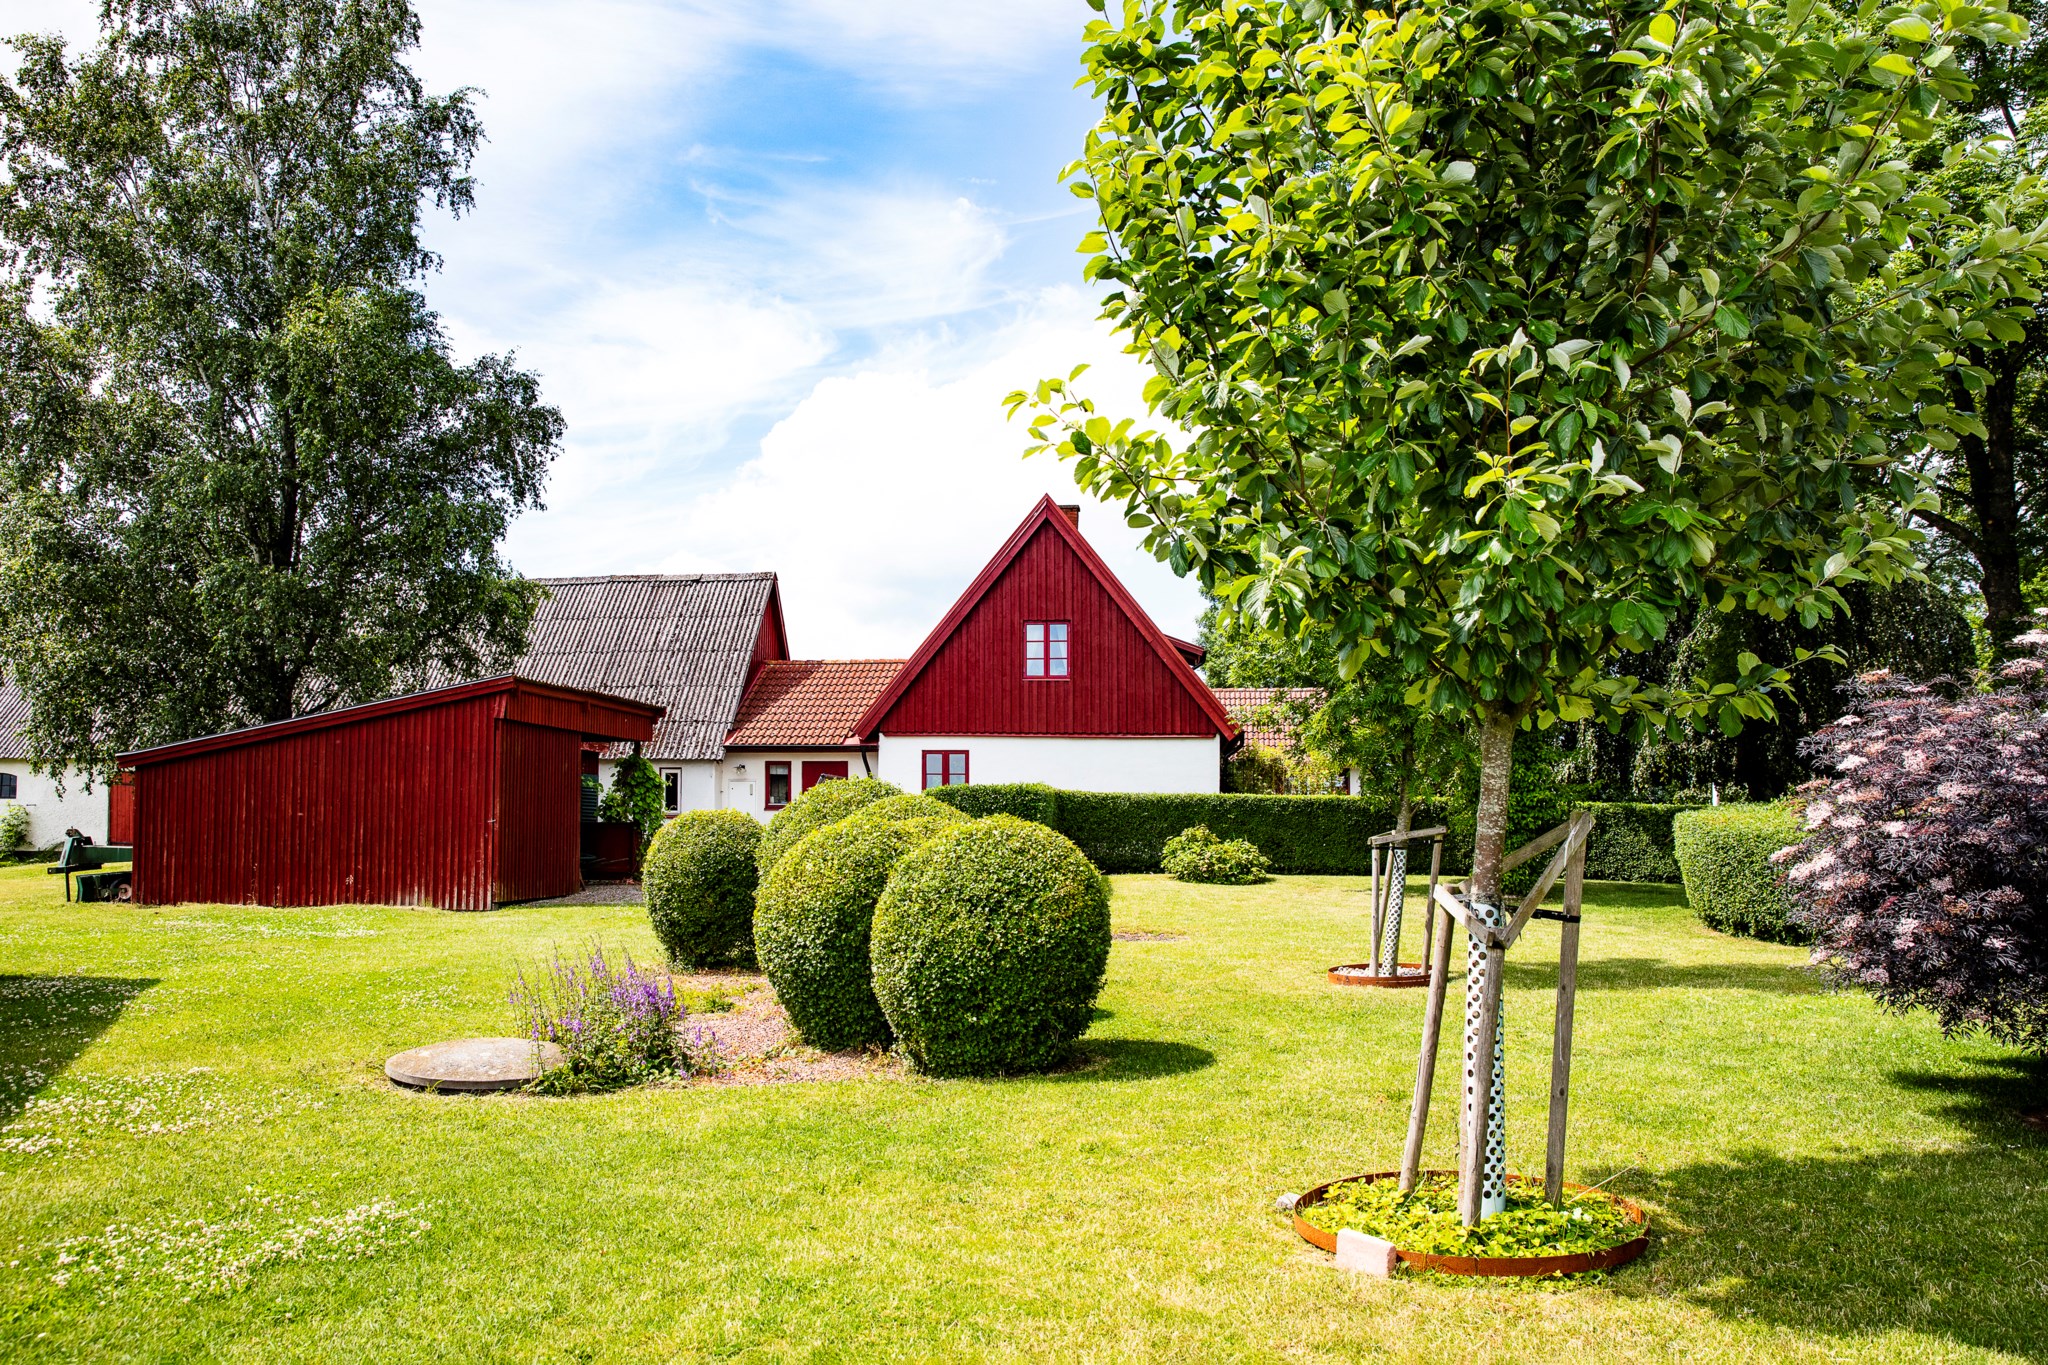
(882, 494)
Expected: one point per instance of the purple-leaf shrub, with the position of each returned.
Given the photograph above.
(615, 1023)
(1924, 874)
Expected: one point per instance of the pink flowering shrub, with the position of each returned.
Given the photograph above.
(1924, 874)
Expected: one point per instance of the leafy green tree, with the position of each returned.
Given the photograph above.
(241, 477)
(1501, 333)
(1504, 335)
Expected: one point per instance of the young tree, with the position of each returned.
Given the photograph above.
(241, 477)
(1503, 332)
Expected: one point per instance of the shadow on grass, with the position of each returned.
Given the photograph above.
(1651, 973)
(47, 1021)
(1991, 1102)
(1134, 1059)
(1943, 1244)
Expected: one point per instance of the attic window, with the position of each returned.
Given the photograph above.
(1045, 649)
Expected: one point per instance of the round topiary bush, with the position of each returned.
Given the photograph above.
(822, 805)
(812, 921)
(1724, 856)
(989, 947)
(699, 880)
(911, 806)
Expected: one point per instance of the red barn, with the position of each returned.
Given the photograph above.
(463, 798)
(1048, 670)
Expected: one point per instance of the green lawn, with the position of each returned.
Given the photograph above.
(1827, 1183)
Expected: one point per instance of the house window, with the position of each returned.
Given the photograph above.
(1045, 649)
(8, 789)
(778, 785)
(945, 767)
(671, 797)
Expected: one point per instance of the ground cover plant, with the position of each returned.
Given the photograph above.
(1427, 1219)
(614, 1021)
(1196, 855)
(1828, 1182)
(699, 877)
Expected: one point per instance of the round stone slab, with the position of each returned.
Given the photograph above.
(471, 1064)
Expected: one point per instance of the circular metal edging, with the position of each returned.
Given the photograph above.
(1360, 974)
(1577, 1263)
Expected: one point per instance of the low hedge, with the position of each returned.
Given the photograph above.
(1026, 800)
(698, 878)
(813, 921)
(1632, 841)
(1724, 854)
(820, 806)
(989, 948)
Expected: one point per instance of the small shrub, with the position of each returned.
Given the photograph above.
(816, 911)
(616, 1025)
(1026, 800)
(13, 830)
(1724, 854)
(1925, 876)
(699, 878)
(989, 947)
(911, 806)
(1196, 855)
(820, 806)
(636, 796)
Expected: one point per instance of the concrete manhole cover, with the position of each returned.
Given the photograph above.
(471, 1064)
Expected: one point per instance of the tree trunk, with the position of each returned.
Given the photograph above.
(1482, 1187)
(1994, 498)
(1490, 839)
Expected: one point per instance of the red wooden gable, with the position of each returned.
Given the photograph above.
(967, 678)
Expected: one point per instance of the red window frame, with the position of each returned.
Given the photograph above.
(771, 771)
(1054, 643)
(947, 768)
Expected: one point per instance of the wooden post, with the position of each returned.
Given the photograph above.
(1561, 1036)
(1436, 863)
(1432, 1029)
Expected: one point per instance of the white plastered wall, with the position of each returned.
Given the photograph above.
(49, 815)
(1166, 764)
(743, 775)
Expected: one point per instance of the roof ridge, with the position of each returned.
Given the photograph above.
(751, 576)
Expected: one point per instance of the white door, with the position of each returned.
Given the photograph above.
(739, 795)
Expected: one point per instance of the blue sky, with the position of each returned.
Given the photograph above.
(778, 263)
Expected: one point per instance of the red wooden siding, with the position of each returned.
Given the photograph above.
(540, 812)
(770, 642)
(435, 799)
(1118, 684)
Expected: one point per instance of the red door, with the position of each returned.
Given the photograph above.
(121, 809)
(817, 771)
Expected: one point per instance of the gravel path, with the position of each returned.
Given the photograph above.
(753, 1044)
(601, 893)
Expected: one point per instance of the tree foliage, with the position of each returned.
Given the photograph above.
(1924, 877)
(636, 796)
(241, 476)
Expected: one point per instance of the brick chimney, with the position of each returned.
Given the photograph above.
(1072, 512)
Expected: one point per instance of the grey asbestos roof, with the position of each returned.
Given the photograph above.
(13, 716)
(681, 642)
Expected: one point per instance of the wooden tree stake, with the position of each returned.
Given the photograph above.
(1561, 1037)
(1432, 1029)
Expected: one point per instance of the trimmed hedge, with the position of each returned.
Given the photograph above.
(812, 924)
(699, 879)
(989, 948)
(1197, 855)
(1632, 841)
(1025, 800)
(1724, 853)
(821, 805)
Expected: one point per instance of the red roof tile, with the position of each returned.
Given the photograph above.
(809, 703)
(1241, 702)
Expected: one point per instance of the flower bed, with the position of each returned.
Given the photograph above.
(1591, 1231)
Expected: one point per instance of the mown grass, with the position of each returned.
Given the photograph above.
(1828, 1183)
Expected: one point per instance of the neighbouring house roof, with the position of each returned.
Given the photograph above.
(13, 719)
(684, 642)
(1064, 523)
(1274, 732)
(809, 703)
